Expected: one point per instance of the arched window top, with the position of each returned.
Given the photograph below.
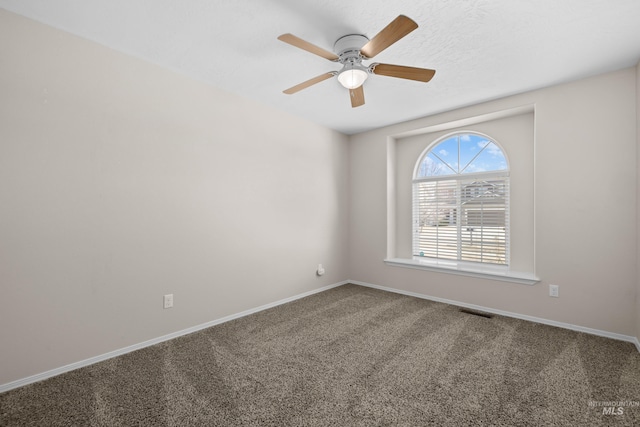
(461, 153)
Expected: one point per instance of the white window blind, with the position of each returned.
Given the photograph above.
(462, 219)
(461, 200)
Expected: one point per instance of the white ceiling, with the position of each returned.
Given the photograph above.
(481, 49)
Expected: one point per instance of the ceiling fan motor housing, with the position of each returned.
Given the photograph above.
(348, 47)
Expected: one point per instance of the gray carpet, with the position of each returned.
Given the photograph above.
(350, 356)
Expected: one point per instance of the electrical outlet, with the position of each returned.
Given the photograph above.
(168, 301)
(554, 291)
(320, 270)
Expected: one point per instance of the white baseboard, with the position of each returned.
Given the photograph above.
(591, 331)
(119, 352)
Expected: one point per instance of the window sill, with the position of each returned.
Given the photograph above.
(466, 269)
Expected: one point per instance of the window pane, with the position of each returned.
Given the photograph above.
(447, 151)
(490, 158)
(431, 165)
(470, 146)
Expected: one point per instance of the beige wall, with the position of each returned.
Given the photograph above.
(585, 220)
(121, 182)
(638, 199)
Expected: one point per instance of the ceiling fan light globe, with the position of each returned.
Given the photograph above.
(352, 78)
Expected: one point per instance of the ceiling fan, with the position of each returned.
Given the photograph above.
(352, 49)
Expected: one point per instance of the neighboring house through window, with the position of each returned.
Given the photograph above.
(461, 200)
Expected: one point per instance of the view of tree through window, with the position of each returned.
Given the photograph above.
(461, 201)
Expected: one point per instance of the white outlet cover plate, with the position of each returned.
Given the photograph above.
(168, 301)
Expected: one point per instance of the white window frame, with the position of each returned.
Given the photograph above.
(460, 177)
(395, 257)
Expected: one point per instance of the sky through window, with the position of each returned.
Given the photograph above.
(461, 154)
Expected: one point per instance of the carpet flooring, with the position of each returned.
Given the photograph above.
(350, 356)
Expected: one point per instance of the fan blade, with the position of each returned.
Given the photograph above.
(357, 96)
(309, 47)
(402, 72)
(309, 82)
(397, 29)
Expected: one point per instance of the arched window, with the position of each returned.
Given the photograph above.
(461, 200)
